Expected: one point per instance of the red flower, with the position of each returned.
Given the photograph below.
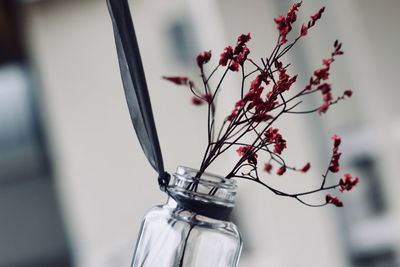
(279, 146)
(284, 24)
(333, 200)
(334, 166)
(336, 141)
(232, 115)
(270, 134)
(322, 74)
(179, 80)
(256, 83)
(348, 182)
(261, 117)
(306, 167)
(327, 98)
(283, 27)
(348, 93)
(197, 101)
(239, 49)
(234, 66)
(325, 88)
(240, 104)
(303, 30)
(203, 58)
(328, 61)
(338, 47)
(323, 108)
(226, 56)
(291, 15)
(244, 38)
(316, 16)
(241, 58)
(248, 151)
(243, 150)
(261, 104)
(268, 167)
(281, 170)
(281, 22)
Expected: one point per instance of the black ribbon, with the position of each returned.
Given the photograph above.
(134, 82)
(208, 209)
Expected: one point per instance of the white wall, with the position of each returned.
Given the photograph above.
(103, 178)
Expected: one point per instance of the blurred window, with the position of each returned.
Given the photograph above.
(182, 42)
(31, 229)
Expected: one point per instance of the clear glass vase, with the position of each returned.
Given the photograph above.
(193, 228)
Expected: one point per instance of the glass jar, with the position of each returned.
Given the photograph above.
(193, 228)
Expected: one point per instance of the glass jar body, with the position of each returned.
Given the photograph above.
(173, 236)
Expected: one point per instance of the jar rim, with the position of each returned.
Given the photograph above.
(208, 194)
(206, 177)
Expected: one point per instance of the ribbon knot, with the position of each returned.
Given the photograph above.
(163, 180)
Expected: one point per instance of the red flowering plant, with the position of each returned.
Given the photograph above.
(263, 101)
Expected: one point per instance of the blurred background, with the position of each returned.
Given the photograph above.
(74, 182)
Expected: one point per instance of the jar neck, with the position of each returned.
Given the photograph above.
(206, 194)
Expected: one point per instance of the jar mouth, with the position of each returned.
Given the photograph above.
(207, 188)
(206, 177)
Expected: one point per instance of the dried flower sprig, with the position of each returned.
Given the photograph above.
(262, 104)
